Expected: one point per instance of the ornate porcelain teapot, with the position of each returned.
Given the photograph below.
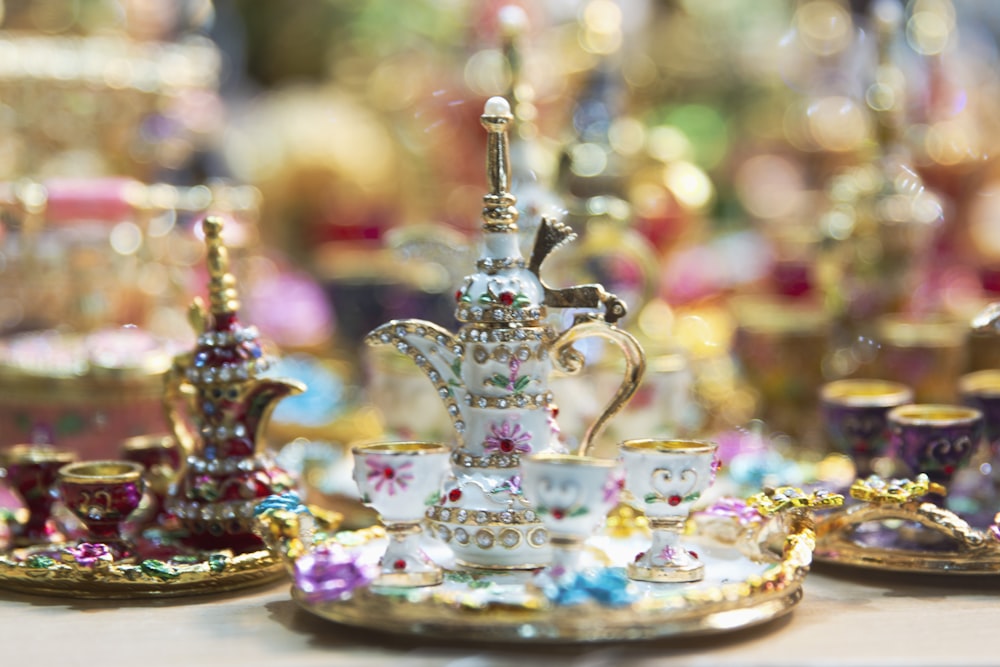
(224, 468)
(493, 375)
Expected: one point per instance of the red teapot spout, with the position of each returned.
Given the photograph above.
(261, 400)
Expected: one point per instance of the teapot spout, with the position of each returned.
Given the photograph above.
(262, 398)
(437, 353)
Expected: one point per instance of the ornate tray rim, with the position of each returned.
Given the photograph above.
(140, 580)
(728, 606)
(211, 572)
(975, 552)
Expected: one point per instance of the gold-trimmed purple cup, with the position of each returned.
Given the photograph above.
(981, 390)
(933, 438)
(102, 495)
(31, 472)
(854, 416)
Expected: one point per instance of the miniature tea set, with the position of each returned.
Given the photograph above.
(204, 482)
(502, 534)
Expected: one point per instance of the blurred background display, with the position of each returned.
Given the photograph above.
(786, 193)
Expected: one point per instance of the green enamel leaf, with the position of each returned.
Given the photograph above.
(485, 299)
(185, 559)
(39, 561)
(158, 569)
(456, 368)
(691, 497)
(521, 382)
(465, 298)
(521, 300)
(579, 511)
(499, 381)
(217, 563)
(651, 497)
(433, 499)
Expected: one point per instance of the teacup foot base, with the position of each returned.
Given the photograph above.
(409, 579)
(500, 567)
(668, 574)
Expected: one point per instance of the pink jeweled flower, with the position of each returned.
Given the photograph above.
(330, 572)
(507, 438)
(613, 488)
(87, 554)
(383, 474)
(715, 466)
(734, 508)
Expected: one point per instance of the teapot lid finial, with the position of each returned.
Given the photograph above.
(499, 212)
(222, 294)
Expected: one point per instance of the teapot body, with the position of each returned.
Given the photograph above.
(493, 374)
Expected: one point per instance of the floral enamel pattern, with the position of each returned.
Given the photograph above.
(507, 438)
(560, 513)
(513, 382)
(383, 474)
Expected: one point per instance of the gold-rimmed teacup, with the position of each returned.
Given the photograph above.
(572, 495)
(399, 480)
(102, 495)
(31, 472)
(981, 390)
(664, 478)
(854, 415)
(935, 439)
(159, 454)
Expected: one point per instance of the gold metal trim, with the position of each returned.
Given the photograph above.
(772, 590)
(568, 359)
(669, 574)
(958, 547)
(133, 581)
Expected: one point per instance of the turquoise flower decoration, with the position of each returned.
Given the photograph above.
(288, 501)
(608, 586)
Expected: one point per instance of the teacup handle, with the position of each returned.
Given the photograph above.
(178, 392)
(571, 361)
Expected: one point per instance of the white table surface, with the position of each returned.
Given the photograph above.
(848, 617)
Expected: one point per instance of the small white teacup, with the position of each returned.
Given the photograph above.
(663, 478)
(572, 496)
(398, 480)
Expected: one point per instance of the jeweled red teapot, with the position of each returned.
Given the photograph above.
(225, 468)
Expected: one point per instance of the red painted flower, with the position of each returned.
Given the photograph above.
(506, 438)
(382, 473)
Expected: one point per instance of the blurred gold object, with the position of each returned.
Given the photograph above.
(780, 344)
(928, 355)
(895, 529)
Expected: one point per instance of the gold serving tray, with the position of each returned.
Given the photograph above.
(891, 528)
(747, 583)
(163, 570)
(209, 573)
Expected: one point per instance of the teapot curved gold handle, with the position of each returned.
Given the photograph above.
(571, 361)
(176, 393)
